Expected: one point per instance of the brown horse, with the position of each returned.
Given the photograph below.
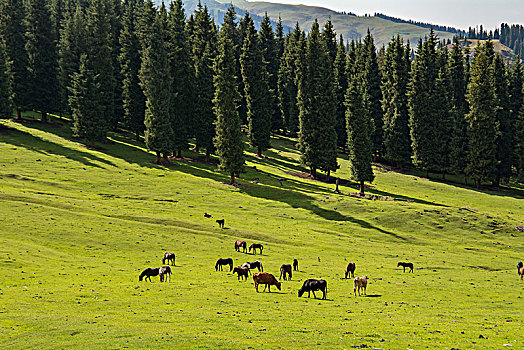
(521, 273)
(350, 269)
(285, 269)
(241, 272)
(241, 244)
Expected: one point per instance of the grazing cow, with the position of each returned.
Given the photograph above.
(313, 285)
(360, 283)
(170, 257)
(241, 272)
(295, 265)
(207, 215)
(221, 223)
(267, 279)
(164, 270)
(256, 246)
(147, 273)
(285, 269)
(241, 244)
(254, 265)
(350, 269)
(221, 262)
(406, 264)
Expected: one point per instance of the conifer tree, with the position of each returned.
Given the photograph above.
(133, 99)
(519, 145)
(504, 152)
(6, 108)
(359, 131)
(203, 41)
(395, 80)
(84, 101)
(371, 81)
(423, 109)
(99, 50)
(516, 76)
(317, 136)
(459, 108)
(182, 74)
(330, 38)
(256, 90)
(70, 47)
(228, 139)
(115, 20)
(270, 58)
(155, 79)
(12, 31)
(341, 87)
(481, 119)
(287, 80)
(42, 57)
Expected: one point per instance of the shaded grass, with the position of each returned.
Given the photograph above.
(79, 225)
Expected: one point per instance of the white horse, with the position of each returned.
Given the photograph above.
(164, 270)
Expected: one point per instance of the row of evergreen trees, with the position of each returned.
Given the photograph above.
(180, 80)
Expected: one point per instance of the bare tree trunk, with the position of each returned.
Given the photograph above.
(259, 152)
(166, 159)
(232, 182)
(336, 185)
(92, 140)
(478, 183)
(427, 174)
(158, 158)
(444, 175)
(207, 155)
(43, 117)
(179, 154)
(362, 187)
(328, 177)
(465, 180)
(18, 114)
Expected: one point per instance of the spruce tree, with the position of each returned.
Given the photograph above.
(287, 80)
(133, 99)
(516, 76)
(317, 136)
(330, 38)
(256, 90)
(396, 68)
(155, 79)
(505, 123)
(86, 109)
(100, 55)
(182, 74)
(359, 131)
(482, 118)
(12, 31)
(341, 86)
(459, 108)
(6, 107)
(228, 139)
(519, 145)
(203, 39)
(114, 8)
(42, 57)
(371, 81)
(271, 60)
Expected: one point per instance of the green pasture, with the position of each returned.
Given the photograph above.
(77, 226)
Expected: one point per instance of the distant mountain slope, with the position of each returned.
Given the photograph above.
(349, 25)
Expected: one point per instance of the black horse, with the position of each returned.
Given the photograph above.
(147, 273)
(406, 264)
(350, 269)
(254, 265)
(295, 265)
(221, 262)
(256, 246)
(170, 257)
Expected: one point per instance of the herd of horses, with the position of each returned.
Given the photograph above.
(286, 273)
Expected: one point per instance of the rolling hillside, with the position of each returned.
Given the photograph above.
(78, 225)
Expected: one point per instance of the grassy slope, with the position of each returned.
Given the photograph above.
(78, 226)
(349, 26)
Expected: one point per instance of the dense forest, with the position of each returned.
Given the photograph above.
(180, 80)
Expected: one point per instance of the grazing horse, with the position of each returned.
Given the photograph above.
(313, 285)
(519, 265)
(221, 223)
(360, 283)
(226, 261)
(147, 273)
(254, 265)
(350, 269)
(256, 246)
(241, 244)
(520, 269)
(170, 257)
(406, 264)
(285, 269)
(267, 279)
(241, 272)
(295, 265)
(164, 270)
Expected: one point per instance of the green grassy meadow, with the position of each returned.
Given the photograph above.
(77, 226)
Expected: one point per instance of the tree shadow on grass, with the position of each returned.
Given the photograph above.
(20, 138)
